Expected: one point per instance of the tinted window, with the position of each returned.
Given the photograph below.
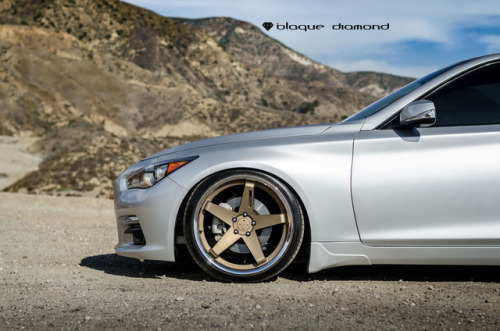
(473, 99)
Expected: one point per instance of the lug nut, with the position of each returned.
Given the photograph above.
(245, 214)
(236, 232)
(248, 234)
(253, 223)
(234, 219)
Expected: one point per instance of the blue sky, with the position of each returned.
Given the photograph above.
(423, 35)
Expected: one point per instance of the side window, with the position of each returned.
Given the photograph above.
(473, 99)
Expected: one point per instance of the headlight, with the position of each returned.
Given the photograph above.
(150, 175)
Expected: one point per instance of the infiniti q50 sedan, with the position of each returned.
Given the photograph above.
(412, 179)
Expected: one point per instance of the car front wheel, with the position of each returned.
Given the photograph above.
(243, 226)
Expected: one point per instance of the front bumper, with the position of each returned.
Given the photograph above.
(146, 219)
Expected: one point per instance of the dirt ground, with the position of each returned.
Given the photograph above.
(58, 270)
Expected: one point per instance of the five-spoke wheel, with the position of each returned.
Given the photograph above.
(243, 226)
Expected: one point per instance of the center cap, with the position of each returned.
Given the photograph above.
(244, 224)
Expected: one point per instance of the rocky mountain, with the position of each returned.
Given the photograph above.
(104, 83)
(249, 45)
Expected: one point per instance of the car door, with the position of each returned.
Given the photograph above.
(435, 186)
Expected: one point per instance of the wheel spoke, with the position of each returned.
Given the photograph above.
(247, 199)
(221, 213)
(253, 245)
(224, 243)
(265, 221)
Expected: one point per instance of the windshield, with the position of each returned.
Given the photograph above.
(384, 102)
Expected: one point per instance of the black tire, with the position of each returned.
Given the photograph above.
(243, 242)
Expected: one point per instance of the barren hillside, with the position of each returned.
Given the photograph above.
(104, 83)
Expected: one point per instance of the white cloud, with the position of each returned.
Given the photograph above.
(492, 42)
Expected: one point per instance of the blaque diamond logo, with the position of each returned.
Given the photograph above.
(267, 25)
(317, 27)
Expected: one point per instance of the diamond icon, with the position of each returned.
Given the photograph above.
(267, 25)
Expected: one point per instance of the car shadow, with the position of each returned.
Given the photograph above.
(391, 273)
(123, 266)
(114, 264)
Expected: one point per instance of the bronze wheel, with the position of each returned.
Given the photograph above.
(243, 226)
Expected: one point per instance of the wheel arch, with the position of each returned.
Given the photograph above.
(179, 231)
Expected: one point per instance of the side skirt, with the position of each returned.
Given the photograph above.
(326, 255)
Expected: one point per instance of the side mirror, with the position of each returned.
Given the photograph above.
(421, 113)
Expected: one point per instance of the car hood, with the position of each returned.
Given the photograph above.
(247, 136)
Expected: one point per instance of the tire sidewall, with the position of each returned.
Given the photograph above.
(208, 264)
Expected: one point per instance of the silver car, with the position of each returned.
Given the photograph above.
(412, 179)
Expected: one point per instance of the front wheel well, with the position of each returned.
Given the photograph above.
(302, 256)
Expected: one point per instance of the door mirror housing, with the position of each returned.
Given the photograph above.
(421, 113)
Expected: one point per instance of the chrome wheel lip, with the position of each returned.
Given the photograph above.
(287, 239)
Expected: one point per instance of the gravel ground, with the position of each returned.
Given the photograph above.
(58, 270)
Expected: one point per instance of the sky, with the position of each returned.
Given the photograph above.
(422, 36)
